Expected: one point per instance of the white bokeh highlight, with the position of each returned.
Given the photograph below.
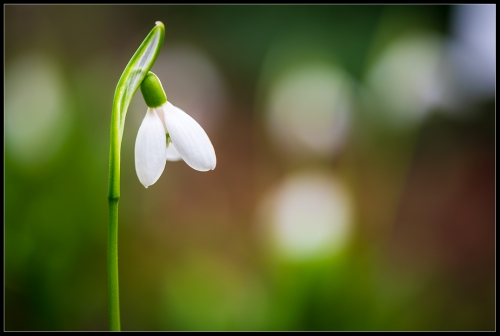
(37, 114)
(308, 216)
(308, 110)
(472, 52)
(406, 79)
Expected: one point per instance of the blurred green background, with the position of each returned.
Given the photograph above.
(354, 187)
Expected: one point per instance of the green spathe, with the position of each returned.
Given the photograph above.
(152, 91)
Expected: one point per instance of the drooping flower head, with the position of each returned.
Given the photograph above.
(168, 133)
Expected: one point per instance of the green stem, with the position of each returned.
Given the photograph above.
(113, 199)
(132, 77)
(113, 293)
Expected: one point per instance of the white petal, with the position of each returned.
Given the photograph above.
(172, 153)
(150, 149)
(189, 139)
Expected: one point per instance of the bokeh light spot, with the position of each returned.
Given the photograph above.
(308, 109)
(36, 114)
(472, 50)
(406, 78)
(308, 216)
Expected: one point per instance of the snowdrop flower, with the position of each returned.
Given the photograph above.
(168, 133)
